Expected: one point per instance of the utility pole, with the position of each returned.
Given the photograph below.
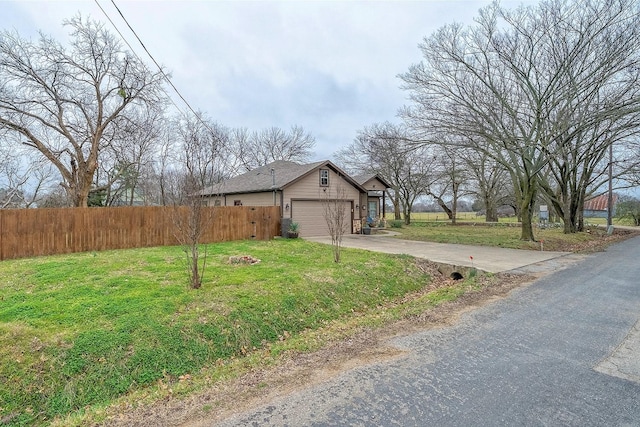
(610, 198)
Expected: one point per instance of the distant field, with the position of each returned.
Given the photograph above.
(496, 235)
(507, 235)
(441, 216)
(472, 217)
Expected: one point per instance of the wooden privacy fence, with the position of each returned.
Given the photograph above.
(35, 232)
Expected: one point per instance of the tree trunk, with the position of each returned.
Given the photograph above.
(454, 204)
(196, 280)
(527, 227)
(526, 210)
(81, 196)
(567, 218)
(444, 207)
(517, 194)
(580, 221)
(407, 214)
(580, 213)
(397, 213)
(491, 211)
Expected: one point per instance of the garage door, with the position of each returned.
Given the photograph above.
(309, 214)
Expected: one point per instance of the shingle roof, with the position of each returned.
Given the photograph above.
(362, 179)
(261, 179)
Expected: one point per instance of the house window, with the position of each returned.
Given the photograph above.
(217, 202)
(324, 177)
(237, 203)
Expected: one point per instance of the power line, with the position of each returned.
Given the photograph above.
(152, 58)
(166, 77)
(113, 24)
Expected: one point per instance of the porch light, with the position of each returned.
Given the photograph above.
(357, 207)
(287, 207)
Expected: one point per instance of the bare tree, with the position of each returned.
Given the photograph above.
(629, 208)
(54, 198)
(239, 153)
(416, 180)
(165, 166)
(491, 182)
(600, 104)
(130, 155)
(627, 156)
(271, 144)
(202, 144)
(382, 149)
(149, 184)
(449, 178)
(23, 178)
(334, 211)
(65, 103)
(360, 158)
(458, 90)
(525, 86)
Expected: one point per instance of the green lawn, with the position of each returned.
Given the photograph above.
(442, 217)
(84, 331)
(471, 217)
(78, 331)
(502, 235)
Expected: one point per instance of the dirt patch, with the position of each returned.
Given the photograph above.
(598, 241)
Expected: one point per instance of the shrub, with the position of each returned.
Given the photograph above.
(629, 207)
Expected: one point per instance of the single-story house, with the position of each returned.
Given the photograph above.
(598, 207)
(300, 190)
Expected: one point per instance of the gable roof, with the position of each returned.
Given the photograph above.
(284, 174)
(599, 203)
(362, 179)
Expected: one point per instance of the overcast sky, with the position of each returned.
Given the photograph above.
(328, 66)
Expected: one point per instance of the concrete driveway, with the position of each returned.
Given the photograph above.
(485, 258)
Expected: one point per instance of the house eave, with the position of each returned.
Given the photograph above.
(230, 193)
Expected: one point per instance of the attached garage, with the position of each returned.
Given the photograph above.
(299, 191)
(309, 214)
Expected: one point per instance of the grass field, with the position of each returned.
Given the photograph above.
(81, 330)
(473, 218)
(501, 236)
(507, 235)
(441, 216)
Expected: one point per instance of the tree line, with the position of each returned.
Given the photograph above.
(527, 106)
(87, 124)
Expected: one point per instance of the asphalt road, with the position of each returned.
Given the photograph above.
(564, 351)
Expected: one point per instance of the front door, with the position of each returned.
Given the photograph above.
(373, 209)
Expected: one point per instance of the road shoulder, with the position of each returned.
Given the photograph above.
(299, 371)
(624, 362)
